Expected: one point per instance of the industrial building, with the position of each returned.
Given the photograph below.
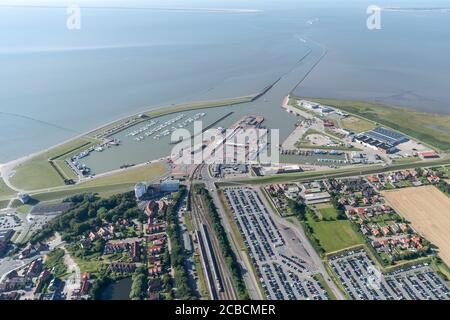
(381, 139)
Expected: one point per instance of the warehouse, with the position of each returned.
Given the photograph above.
(381, 139)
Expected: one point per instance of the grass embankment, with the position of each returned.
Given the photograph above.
(38, 172)
(198, 105)
(336, 173)
(130, 176)
(407, 160)
(431, 129)
(107, 185)
(318, 277)
(5, 191)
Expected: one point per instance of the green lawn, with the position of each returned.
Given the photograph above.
(108, 185)
(24, 209)
(432, 129)
(327, 212)
(37, 173)
(335, 235)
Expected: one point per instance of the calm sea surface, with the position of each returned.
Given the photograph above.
(56, 83)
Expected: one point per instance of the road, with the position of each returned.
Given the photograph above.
(12, 263)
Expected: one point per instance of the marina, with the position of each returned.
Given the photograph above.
(160, 130)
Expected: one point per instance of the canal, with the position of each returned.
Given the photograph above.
(118, 290)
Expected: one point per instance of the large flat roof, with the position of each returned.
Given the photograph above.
(386, 136)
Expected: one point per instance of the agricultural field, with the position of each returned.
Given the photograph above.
(432, 129)
(428, 210)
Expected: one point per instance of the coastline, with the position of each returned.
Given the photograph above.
(160, 111)
(105, 130)
(7, 169)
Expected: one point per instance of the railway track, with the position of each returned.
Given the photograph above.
(219, 277)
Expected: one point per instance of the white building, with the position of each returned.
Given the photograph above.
(24, 197)
(140, 189)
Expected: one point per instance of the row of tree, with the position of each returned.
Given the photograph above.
(89, 214)
(444, 187)
(139, 284)
(227, 252)
(177, 255)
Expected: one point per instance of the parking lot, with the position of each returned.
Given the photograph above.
(9, 221)
(360, 278)
(280, 263)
